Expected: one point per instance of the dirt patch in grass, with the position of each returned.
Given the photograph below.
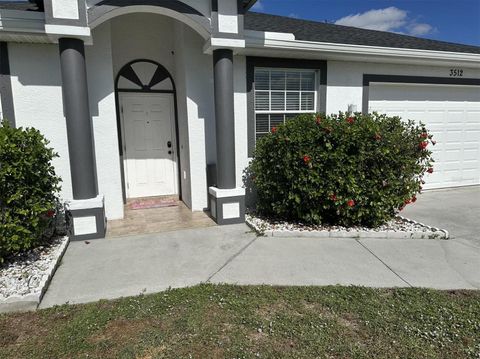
(349, 322)
(463, 293)
(19, 328)
(120, 331)
(270, 311)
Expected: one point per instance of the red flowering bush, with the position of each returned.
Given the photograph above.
(341, 169)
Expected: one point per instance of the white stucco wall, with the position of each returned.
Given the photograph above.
(345, 79)
(37, 96)
(241, 134)
(182, 115)
(195, 81)
(101, 92)
(142, 36)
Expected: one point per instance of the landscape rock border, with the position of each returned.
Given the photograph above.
(32, 300)
(394, 230)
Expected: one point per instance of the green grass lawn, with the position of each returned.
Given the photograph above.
(210, 321)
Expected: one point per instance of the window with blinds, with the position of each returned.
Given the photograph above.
(282, 94)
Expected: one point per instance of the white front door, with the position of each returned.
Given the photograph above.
(149, 144)
(452, 114)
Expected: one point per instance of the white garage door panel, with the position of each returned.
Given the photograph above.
(452, 115)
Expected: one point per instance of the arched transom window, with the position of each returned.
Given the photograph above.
(144, 76)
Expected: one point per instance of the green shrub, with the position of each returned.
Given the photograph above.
(341, 169)
(28, 189)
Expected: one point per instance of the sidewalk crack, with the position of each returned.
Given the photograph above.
(385, 264)
(229, 260)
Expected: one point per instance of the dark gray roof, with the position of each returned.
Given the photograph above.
(324, 32)
(18, 5)
(247, 4)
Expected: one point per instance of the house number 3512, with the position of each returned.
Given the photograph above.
(456, 72)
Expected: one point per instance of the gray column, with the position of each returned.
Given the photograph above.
(224, 118)
(77, 113)
(6, 95)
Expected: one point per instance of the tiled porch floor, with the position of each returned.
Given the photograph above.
(157, 220)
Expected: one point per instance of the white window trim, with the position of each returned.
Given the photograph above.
(284, 112)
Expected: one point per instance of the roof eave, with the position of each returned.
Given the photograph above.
(282, 42)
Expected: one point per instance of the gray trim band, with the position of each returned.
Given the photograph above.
(224, 118)
(253, 62)
(98, 213)
(214, 16)
(214, 22)
(77, 114)
(219, 202)
(6, 95)
(369, 78)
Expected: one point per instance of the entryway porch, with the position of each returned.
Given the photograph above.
(158, 215)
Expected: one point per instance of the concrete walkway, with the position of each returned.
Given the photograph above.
(113, 268)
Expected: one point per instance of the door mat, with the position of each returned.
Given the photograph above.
(152, 203)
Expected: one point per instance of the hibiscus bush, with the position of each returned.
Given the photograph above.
(341, 169)
(28, 189)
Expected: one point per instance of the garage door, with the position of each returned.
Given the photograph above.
(452, 115)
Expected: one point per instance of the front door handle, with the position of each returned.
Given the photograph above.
(169, 144)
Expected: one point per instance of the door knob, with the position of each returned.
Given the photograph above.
(169, 144)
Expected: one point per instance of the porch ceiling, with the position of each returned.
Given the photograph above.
(103, 10)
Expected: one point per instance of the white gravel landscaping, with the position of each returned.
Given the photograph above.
(399, 228)
(24, 278)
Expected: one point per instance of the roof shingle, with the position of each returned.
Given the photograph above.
(338, 34)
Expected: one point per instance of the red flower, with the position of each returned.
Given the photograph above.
(50, 213)
(407, 201)
(350, 120)
(306, 159)
(378, 137)
(423, 145)
(414, 199)
(274, 129)
(351, 203)
(333, 197)
(430, 170)
(424, 135)
(402, 208)
(318, 120)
